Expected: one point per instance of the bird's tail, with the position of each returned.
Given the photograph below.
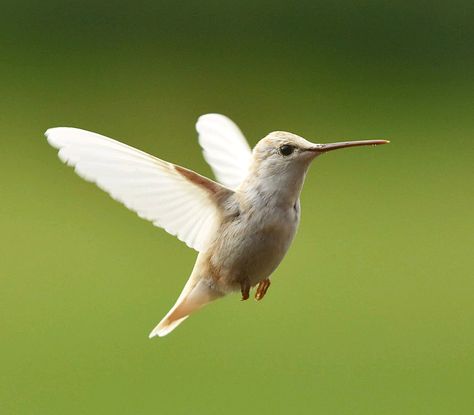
(194, 296)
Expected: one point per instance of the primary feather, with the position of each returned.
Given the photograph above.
(225, 148)
(153, 188)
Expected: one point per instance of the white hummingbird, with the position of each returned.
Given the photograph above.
(242, 226)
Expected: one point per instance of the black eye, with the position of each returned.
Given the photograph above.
(286, 150)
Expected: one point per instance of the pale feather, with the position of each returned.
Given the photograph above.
(225, 148)
(196, 293)
(151, 187)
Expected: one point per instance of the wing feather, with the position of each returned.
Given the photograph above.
(155, 189)
(225, 148)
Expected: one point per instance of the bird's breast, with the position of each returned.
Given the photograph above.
(253, 244)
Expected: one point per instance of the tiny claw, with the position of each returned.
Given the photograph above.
(262, 289)
(245, 290)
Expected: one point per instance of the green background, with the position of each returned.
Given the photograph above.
(372, 310)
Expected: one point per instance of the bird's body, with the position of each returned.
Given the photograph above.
(254, 237)
(257, 227)
(242, 228)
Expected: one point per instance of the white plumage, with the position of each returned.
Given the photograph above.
(242, 227)
(143, 183)
(225, 149)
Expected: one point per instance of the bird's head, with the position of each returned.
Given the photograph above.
(281, 160)
(281, 151)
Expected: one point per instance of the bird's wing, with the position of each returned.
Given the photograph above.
(225, 148)
(172, 197)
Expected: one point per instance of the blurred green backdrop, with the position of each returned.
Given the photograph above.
(372, 310)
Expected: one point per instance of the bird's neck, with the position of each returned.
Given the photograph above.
(274, 188)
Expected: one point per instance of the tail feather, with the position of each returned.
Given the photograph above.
(191, 300)
(166, 326)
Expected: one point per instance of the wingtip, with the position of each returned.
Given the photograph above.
(211, 116)
(52, 137)
(48, 132)
(51, 130)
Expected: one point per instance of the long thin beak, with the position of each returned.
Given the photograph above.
(323, 148)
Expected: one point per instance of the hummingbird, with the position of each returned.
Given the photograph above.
(241, 225)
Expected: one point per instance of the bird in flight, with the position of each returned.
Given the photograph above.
(242, 225)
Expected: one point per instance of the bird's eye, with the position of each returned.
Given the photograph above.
(286, 150)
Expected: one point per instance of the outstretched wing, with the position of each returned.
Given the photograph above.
(172, 197)
(225, 148)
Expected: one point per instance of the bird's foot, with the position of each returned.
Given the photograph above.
(262, 289)
(245, 290)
